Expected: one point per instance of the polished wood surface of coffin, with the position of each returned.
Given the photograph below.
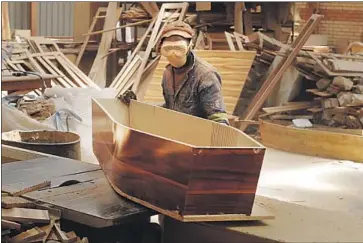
(174, 163)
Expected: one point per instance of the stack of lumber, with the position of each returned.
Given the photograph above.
(140, 65)
(134, 14)
(43, 56)
(23, 221)
(337, 90)
(232, 66)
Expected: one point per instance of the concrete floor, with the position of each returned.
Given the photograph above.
(311, 181)
(313, 200)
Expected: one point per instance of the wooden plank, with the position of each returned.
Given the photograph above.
(28, 235)
(25, 215)
(203, 6)
(61, 235)
(25, 189)
(5, 23)
(319, 93)
(15, 202)
(79, 73)
(74, 77)
(47, 229)
(230, 41)
(61, 81)
(238, 17)
(10, 224)
(321, 143)
(119, 27)
(98, 69)
(33, 18)
(289, 107)
(273, 79)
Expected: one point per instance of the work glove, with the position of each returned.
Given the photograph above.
(127, 97)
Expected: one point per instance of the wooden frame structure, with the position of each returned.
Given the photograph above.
(198, 171)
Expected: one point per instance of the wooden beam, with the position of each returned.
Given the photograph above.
(5, 24)
(98, 70)
(238, 17)
(34, 18)
(119, 27)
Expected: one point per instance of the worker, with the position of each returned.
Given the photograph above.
(190, 85)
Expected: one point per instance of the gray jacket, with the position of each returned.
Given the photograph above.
(199, 93)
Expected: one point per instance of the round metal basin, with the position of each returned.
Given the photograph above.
(64, 144)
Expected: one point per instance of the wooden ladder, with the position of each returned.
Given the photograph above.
(98, 16)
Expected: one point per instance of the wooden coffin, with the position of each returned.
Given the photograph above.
(179, 165)
(333, 143)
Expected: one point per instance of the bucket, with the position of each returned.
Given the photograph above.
(64, 144)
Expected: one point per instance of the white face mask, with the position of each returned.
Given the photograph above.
(175, 52)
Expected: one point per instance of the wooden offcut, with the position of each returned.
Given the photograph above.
(21, 189)
(232, 66)
(25, 215)
(27, 236)
(10, 224)
(13, 202)
(185, 166)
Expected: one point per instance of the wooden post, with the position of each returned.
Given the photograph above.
(82, 19)
(34, 18)
(5, 24)
(238, 17)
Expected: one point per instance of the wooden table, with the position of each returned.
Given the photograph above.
(29, 82)
(80, 190)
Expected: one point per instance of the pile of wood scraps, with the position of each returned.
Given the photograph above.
(134, 14)
(23, 221)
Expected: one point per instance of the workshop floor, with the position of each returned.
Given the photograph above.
(311, 181)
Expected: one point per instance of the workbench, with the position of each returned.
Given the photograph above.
(29, 82)
(78, 189)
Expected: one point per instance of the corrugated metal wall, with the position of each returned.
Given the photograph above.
(19, 15)
(55, 18)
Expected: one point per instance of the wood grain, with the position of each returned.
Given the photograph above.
(232, 66)
(26, 215)
(333, 145)
(150, 163)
